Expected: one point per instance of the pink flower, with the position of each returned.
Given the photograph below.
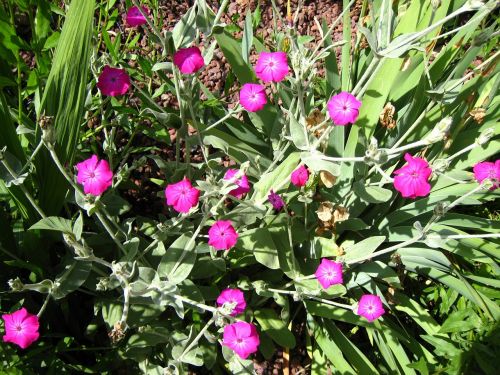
(300, 176)
(343, 108)
(242, 338)
(272, 66)
(329, 273)
(113, 81)
(222, 235)
(253, 97)
(94, 175)
(489, 170)
(370, 307)
(189, 60)
(241, 182)
(182, 196)
(276, 201)
(135, 17)
(411, 180)
(21, 328)
(233, 296)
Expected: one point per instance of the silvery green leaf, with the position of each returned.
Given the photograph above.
(16, 167)
(239, 366)
(78, 226)
(438, 239)
(131, 246)
(23, 129)
(74, 275)
(54, 223)
(178, 260)
(205, 17)
(208, 53)
(317, 164)
(371, 194)
(163, 66)
(372, 42)
(84, 203)
(246, 43)
(184, 31)
(363, 248)
(298, 132)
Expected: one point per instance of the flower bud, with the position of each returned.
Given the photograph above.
(440, 165)
(485, 136)
(473, 4)
(439, 209)
(439, 132)
(16, 284)
(435, 4)
(103, 284)
(48, 132)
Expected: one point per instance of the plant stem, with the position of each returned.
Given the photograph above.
(24, 190)
(197, 338)
(29, 161)
(45, 303)
(126, 303)
(236, 110)
(333, 303)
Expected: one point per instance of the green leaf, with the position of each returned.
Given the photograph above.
(272, 325)
(54, 223)
(75, 274)
(269, 180)
(363, 248)
(246, 44)
(317, 164)
(184, 31)
(298, 132)
(371, 194)
(64, 99)
(178, 261)
(115, 204)
(260, 242)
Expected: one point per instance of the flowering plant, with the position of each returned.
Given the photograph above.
(163, 225)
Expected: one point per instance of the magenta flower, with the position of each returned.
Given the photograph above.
(489, 170)
(253, 97)
(182, 196)
(241, 182)
(343, 108)
(411, 180)
(271, 66)
(329, 273)
(370, 307)
(233, 296)
(113, 81)
(134, 16)
(21, 328)
(300, 176)
(94, 175)
(242, 338)
(189, 60)
(222, 235)
(276, 201)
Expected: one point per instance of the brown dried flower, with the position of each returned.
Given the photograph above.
(478, 114)
(327, 179)
(387, 116)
